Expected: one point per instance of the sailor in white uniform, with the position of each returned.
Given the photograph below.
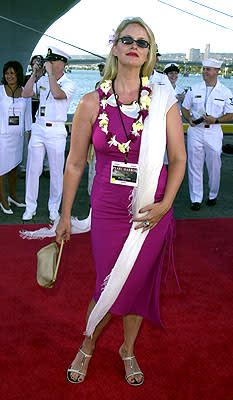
(205, 106)
(172, 71)
(56, 92)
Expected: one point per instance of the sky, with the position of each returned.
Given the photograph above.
(89, 24)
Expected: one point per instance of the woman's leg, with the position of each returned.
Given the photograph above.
(88, 346)
(132, 324)
(3, 198)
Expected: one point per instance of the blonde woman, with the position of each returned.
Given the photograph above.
(130, 124)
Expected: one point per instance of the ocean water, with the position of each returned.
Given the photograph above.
(86, 80)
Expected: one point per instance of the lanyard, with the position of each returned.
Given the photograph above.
(119, 111)
(13, 97)
(48, 95)
(207, 95)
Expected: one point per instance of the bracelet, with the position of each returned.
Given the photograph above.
(50, 73)
(217, 121)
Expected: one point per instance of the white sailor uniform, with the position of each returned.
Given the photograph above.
(48, 135)
(160, 79)
(204, 142)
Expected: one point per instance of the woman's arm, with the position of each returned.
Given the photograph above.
(176, 155)
(176, 169)
(83, 121)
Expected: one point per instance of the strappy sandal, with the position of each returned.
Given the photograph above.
(132, 372)
(78, 371)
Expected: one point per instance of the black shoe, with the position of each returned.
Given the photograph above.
(211, 202)
(196, 206)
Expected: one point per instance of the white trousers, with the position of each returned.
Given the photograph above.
(25, 155)
(51, 140)
(203, 146)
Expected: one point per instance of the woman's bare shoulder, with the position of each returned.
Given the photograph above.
(90, 99)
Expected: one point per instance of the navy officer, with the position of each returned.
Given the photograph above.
(56, 92)
(206, 105)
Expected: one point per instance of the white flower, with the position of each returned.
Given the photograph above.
(106, 86)
(103, 122)
(144, 92)
(145, 102)
(137, 126)
(103, 103)
(103, 117)
(113, 141)
(122, 147)
(145, 80)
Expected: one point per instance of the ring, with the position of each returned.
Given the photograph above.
(146, 224)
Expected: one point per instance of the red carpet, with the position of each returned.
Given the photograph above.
(41, 328)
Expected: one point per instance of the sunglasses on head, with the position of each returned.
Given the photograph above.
(129, 40)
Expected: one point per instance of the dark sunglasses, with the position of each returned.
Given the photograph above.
(140, 42)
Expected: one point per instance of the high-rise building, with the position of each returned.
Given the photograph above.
(193, 55)
(207, 51)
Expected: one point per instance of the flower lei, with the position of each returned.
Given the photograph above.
(137, 126)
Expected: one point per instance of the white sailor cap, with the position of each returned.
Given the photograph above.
(56, 54)
(211, 62)
(171, 67)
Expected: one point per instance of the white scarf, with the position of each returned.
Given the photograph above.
(150, 162)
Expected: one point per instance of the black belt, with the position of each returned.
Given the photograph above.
(206, 126)
(48, 124)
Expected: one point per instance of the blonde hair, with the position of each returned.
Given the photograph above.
(111, 67)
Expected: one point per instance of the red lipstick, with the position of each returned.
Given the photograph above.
(132, 54)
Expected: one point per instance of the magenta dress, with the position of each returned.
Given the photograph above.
(110, 226)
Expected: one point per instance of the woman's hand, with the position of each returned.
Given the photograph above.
(154, 214)
(63, 230)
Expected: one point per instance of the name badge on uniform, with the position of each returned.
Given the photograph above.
(13, 120)
(124, 174)
(42, 111)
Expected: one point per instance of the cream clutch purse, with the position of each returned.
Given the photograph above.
(48, 264)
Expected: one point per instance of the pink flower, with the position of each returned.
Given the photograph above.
(111, 37)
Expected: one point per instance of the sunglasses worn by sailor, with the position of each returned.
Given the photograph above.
(129, 40)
